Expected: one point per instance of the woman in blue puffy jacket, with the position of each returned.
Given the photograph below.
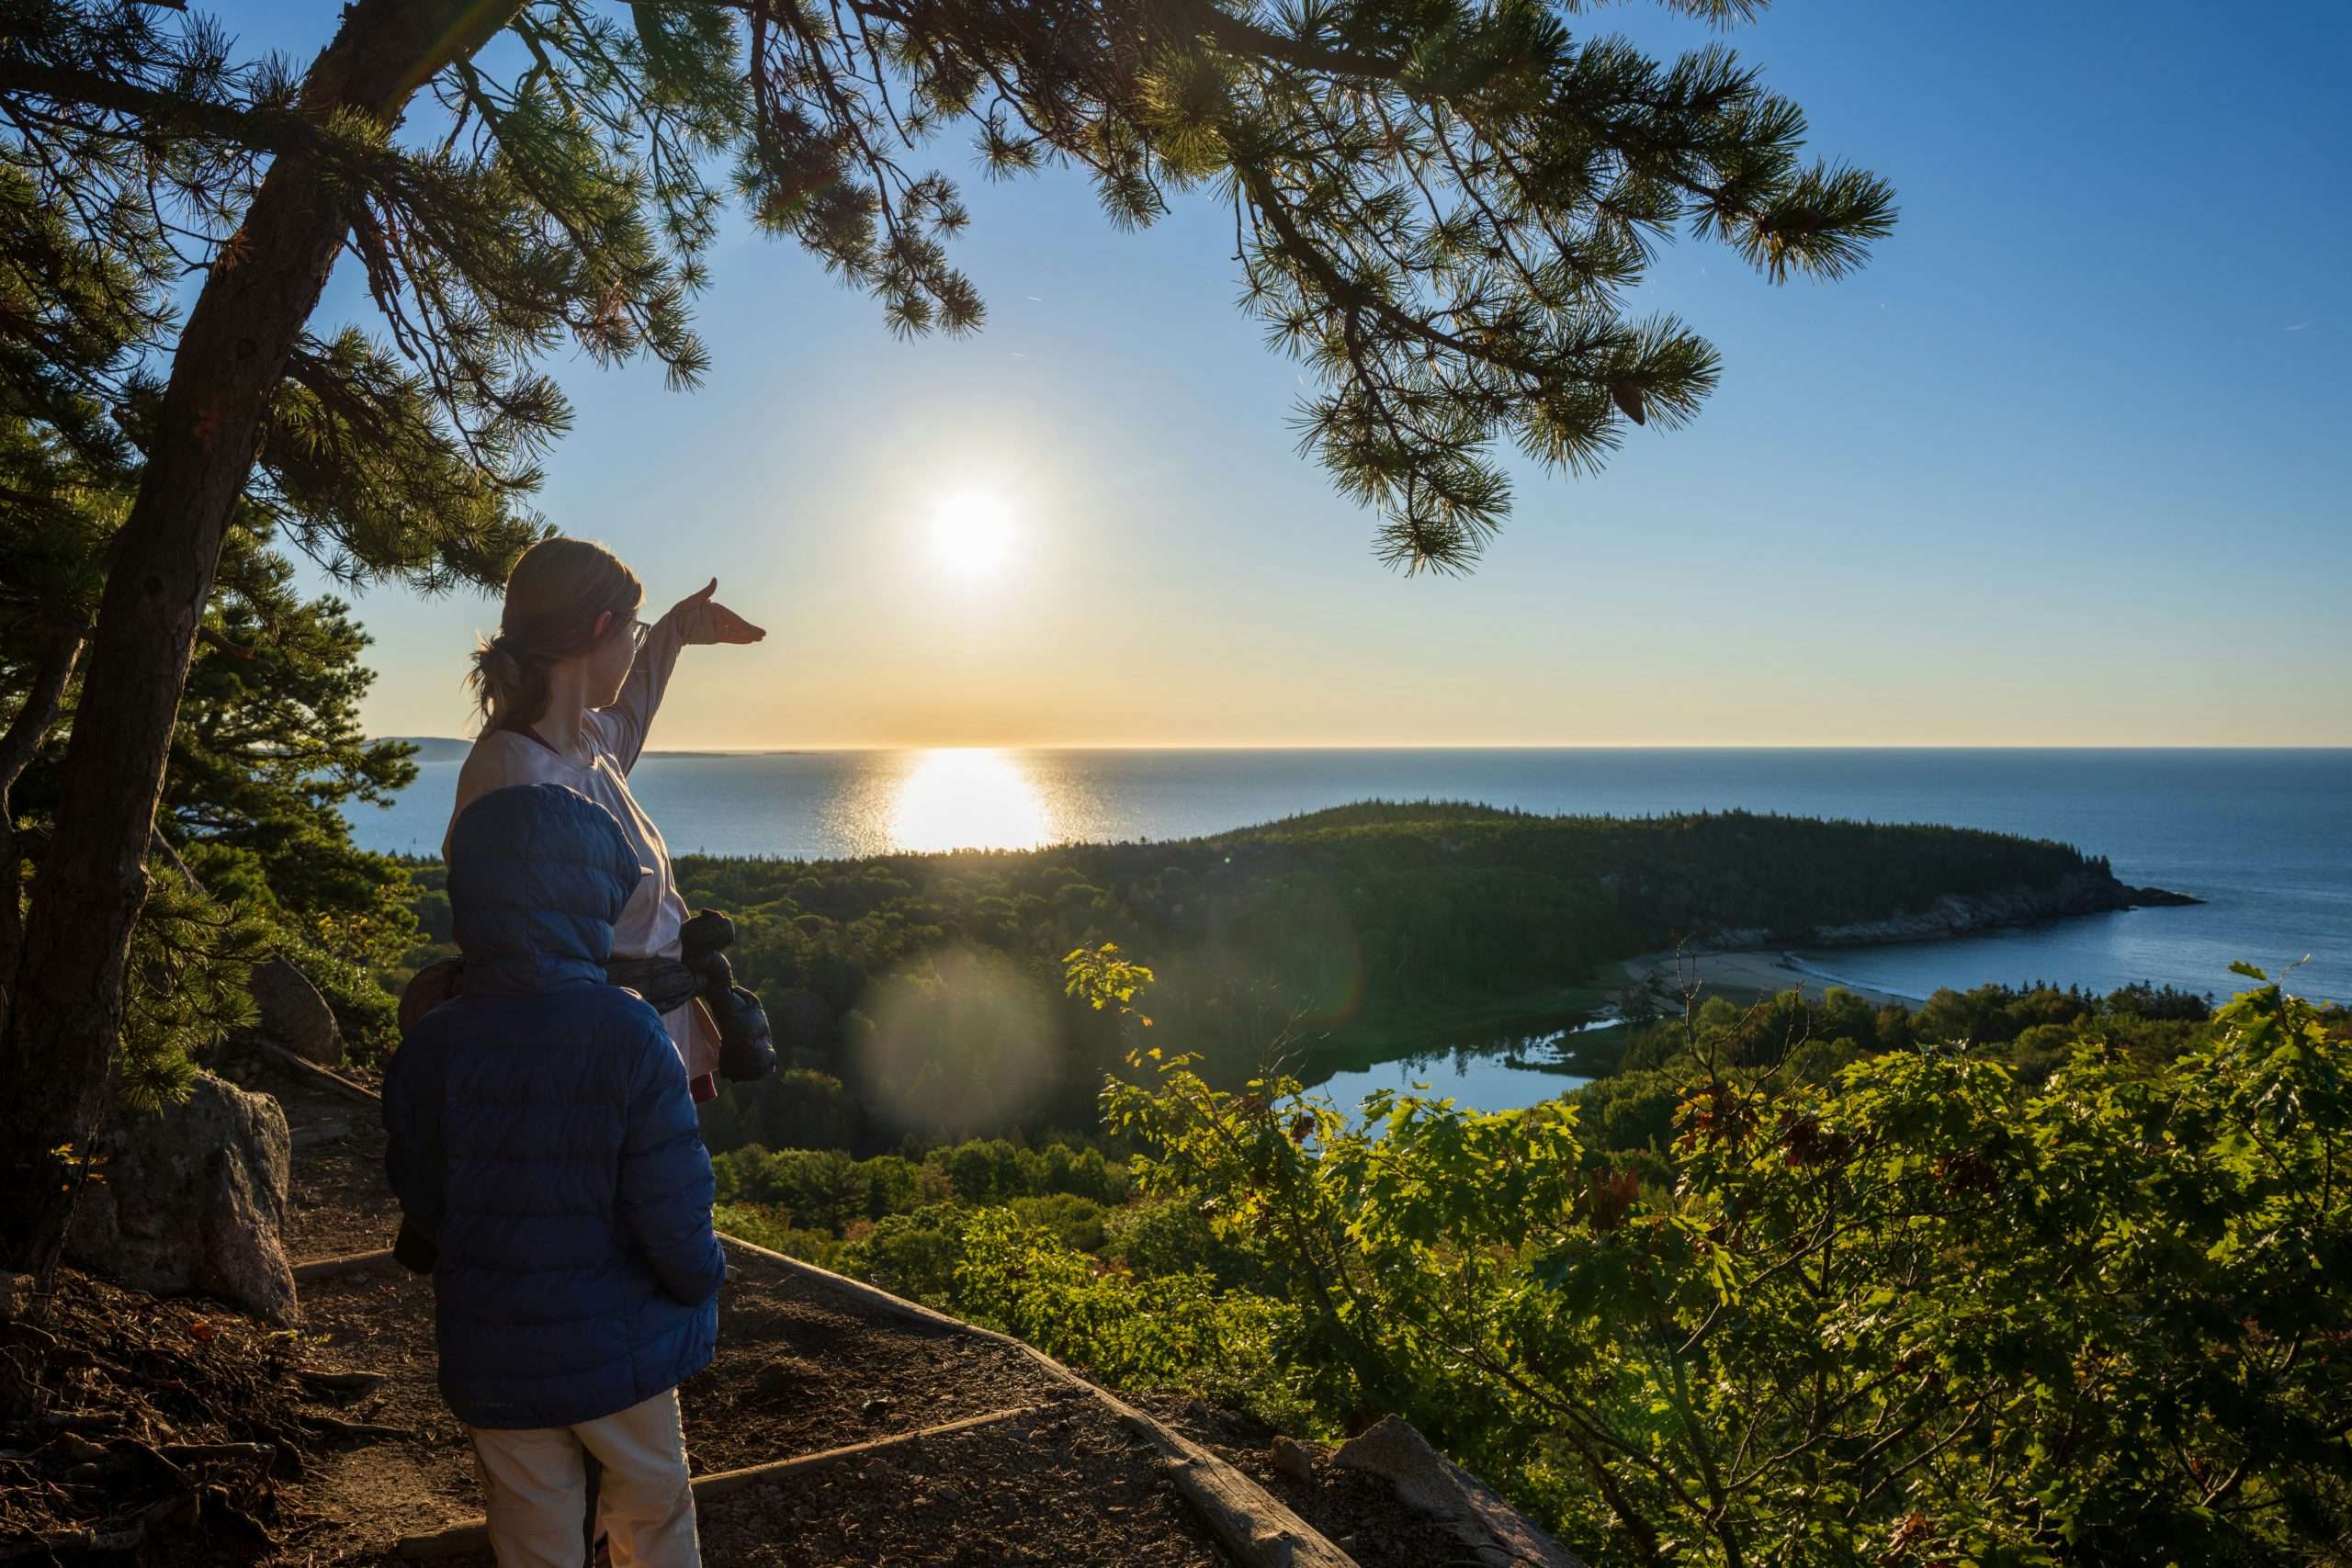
(544, 1146)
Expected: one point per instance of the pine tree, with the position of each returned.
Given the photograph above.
(1438, 205)
(268, 753)
(250, 852)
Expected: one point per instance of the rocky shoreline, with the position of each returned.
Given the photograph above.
(1760, 959)
(1953, 914)
(1957, 915)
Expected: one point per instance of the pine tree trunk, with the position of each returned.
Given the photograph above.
(263, 284)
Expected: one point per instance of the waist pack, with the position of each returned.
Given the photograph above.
(746, 1045)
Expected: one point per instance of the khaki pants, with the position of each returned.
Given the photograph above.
(536, 1485)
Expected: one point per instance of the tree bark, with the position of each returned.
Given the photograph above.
(263, 286)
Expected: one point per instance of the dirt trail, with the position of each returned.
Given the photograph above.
(800, 1370)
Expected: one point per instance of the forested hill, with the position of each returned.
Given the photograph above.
(1702, 877)
(1401, 922)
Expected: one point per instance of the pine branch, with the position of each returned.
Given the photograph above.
(160, 114)
(35, 714)
(1440, 211)
(1250, 41)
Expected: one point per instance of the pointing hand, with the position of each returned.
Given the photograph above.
(703, 619)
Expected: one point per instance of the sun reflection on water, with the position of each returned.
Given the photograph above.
(967, 799)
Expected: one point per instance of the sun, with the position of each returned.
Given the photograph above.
(973, 535)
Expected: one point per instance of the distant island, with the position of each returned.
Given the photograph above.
(450, 749)
(432, 748)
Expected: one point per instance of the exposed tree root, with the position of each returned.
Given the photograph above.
(125, 1419)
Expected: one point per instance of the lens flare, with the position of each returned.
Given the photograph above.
(966, 1048)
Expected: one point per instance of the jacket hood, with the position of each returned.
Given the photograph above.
(537, 875)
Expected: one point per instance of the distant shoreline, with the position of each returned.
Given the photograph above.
(460, 743)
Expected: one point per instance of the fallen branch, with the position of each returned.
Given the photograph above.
(350, 1262)
(303, 1063)
(474, 1535)
(335, 1425)
(1253, 1524)
(200, 1453)
(350, 1385)
(1427, 1481)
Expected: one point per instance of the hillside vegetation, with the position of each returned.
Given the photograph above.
(931, 985)
(1817, 1286)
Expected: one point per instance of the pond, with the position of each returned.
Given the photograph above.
(1500, 1075)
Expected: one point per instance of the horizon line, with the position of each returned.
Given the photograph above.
(782, 750)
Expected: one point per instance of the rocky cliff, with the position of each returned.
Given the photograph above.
(2078, 893)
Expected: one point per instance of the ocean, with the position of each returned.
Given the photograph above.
(2264, 837)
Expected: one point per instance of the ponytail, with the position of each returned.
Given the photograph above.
(554, 597)
(510, 684)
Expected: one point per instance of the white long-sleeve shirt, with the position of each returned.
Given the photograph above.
(610, 742)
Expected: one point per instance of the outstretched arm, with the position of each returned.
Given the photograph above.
(697, 618)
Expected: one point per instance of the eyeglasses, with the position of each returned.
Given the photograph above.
(615, 626)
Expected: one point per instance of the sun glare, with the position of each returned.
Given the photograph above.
(973, 535)
(958, 799)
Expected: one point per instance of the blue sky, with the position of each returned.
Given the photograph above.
(2065, 464)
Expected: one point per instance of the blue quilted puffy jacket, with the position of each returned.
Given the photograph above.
(543, 1139)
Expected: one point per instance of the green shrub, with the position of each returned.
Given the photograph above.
(1074, 1222)
(913, 1255)
(1152, 1236)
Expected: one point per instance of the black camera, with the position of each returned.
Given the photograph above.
(746, 1045)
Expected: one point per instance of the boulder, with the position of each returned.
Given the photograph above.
(1496, 1535)
(190, 1198)
(294, 1014)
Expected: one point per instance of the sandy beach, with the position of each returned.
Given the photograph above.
(1757, 969)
